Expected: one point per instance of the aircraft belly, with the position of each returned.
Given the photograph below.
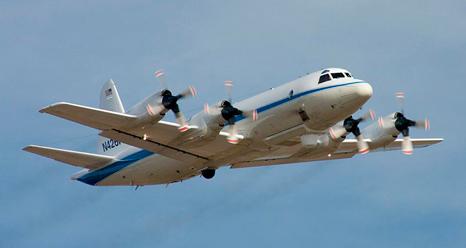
(155, 169)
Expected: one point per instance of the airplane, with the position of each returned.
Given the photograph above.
(305, 120)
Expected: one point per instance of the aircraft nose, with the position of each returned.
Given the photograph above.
(364, 91)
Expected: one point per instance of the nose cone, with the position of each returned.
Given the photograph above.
(364, 91)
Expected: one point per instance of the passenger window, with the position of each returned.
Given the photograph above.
(347, 74)
(338, 75)
(324, 78)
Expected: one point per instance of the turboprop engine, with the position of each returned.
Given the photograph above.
(153, 108)
(389, 127)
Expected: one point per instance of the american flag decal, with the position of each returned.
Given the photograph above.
(108, 92)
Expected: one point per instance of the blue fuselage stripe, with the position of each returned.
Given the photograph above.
(288, 99)
(98, 175)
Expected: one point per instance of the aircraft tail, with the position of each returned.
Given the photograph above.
(79, 159)
(110, 100)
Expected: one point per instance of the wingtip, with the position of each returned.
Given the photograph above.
(30, 148)
(437, 140)
(48, 108)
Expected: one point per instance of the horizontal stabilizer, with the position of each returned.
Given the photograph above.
(88, 116)
(79, 159)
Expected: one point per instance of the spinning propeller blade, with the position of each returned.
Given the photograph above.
(400, 97)
(402, 124)
(170, 102)
(229, 113)
(407, 145)
(229, 88)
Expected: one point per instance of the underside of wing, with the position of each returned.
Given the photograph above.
(287, 160)
(347, 149)
(417, 143)
(158, 137)
(152, 144)
(351, 145)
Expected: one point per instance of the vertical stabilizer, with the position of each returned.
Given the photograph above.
(110, 100)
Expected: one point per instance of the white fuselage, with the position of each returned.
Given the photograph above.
(279, 109)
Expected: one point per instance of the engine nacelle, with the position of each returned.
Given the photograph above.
(149, 111)
(207, 129)
(382, 132)
(319, 144)
(315, 141)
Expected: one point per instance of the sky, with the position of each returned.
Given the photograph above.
(65, 50)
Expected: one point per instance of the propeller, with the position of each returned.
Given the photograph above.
(400, 97)
(402, 124)
(229, 113)
(351, 125)
(170, 102)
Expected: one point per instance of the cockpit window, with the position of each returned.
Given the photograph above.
(347, 74)
(324, 78)
(338, 75)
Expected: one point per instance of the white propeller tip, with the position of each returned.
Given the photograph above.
(332, 133)
(206, 108)
(255, 115)
(159, 73)
(193, 91)
(408, 152)
(380, 121)
(183, 128)
(427, 124)
(233, 141)
(150, 110)
(364, 151)
(228, 83)
(400, 95)
(372, 114)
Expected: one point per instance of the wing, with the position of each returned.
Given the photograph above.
(79, 159)
(347, 149)
(158, 137)
(351, 144)
(88, 116)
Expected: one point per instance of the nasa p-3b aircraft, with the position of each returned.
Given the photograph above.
(308, 119)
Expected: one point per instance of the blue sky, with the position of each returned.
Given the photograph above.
(65, 50)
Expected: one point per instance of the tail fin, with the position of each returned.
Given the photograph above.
(110, 100)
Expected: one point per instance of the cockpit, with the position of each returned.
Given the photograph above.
(329, 74)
